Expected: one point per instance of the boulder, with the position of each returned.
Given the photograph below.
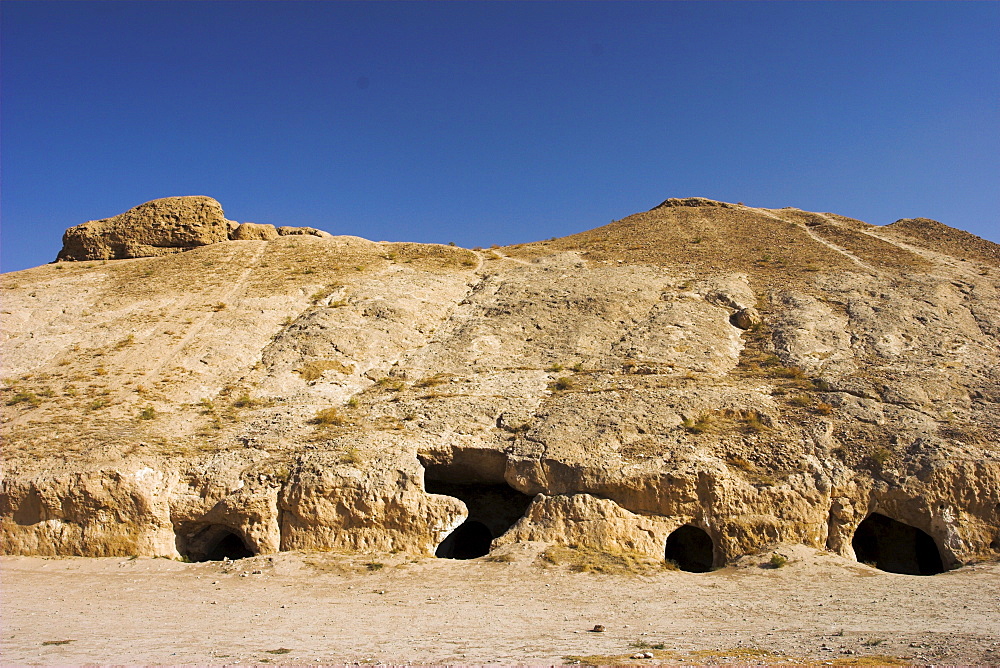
(254, 232)
(159, 227)
(746, 318)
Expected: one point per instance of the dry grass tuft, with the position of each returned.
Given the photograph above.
(562, 384)
(582, 559)
(328, 417)
(314, 370)
(433, 381)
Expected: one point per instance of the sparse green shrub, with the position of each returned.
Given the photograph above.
(147, 413)
(432, 381)
(219, 306)
(207, 405)
(801, 400)
(753, 422)
(246, 401)
(698, 425)
(374, 565)
(97, 404)
(352, 402)
(281, 473)
(879, 455)
(352, 457)
(555, 368)
(578, 367)
(562, 384)
(24, 396)
(793, 372)
(396, 385)
(777, 560)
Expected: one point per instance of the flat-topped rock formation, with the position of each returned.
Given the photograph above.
(161, 227)
(696, 382)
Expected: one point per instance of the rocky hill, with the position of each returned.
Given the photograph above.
(696, 382)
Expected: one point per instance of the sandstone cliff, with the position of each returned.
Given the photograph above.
(696, 382)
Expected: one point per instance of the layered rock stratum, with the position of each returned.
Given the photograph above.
(698, 382)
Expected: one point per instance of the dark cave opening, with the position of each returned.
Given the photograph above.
(895, 547)
(470, 540)
(494, 507)
(691, 549)
(215, 543)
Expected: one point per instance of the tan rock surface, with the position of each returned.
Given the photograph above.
(152, 229)
(254, 232)
(286, 230)
(759, 375)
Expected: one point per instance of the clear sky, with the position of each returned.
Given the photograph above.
(503, 122)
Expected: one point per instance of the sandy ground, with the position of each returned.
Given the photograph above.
(295, 608)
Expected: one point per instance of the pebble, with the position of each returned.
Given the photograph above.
(598, 628)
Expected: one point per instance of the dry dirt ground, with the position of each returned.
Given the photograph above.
(300, 608)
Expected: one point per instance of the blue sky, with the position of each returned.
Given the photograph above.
(485, 123)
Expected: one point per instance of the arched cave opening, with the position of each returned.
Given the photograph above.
(895, 547)
(691, 549)
(214, 543)
(470, 540)
(494, 506)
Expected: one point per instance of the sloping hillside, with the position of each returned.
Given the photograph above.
(695, 382)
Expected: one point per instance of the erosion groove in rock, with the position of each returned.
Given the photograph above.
(697, 382)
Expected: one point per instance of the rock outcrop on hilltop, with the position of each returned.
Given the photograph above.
(696, 382)
(165, 226)
(155, 228)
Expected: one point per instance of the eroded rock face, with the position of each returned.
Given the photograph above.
(319, 392)
(165, 226)
(286, 230)
(155, 228)
(254, 232)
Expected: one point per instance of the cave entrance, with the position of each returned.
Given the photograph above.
(215, 543)
(895, 547)
(691, 549)
(494, 506)
(470, 540)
